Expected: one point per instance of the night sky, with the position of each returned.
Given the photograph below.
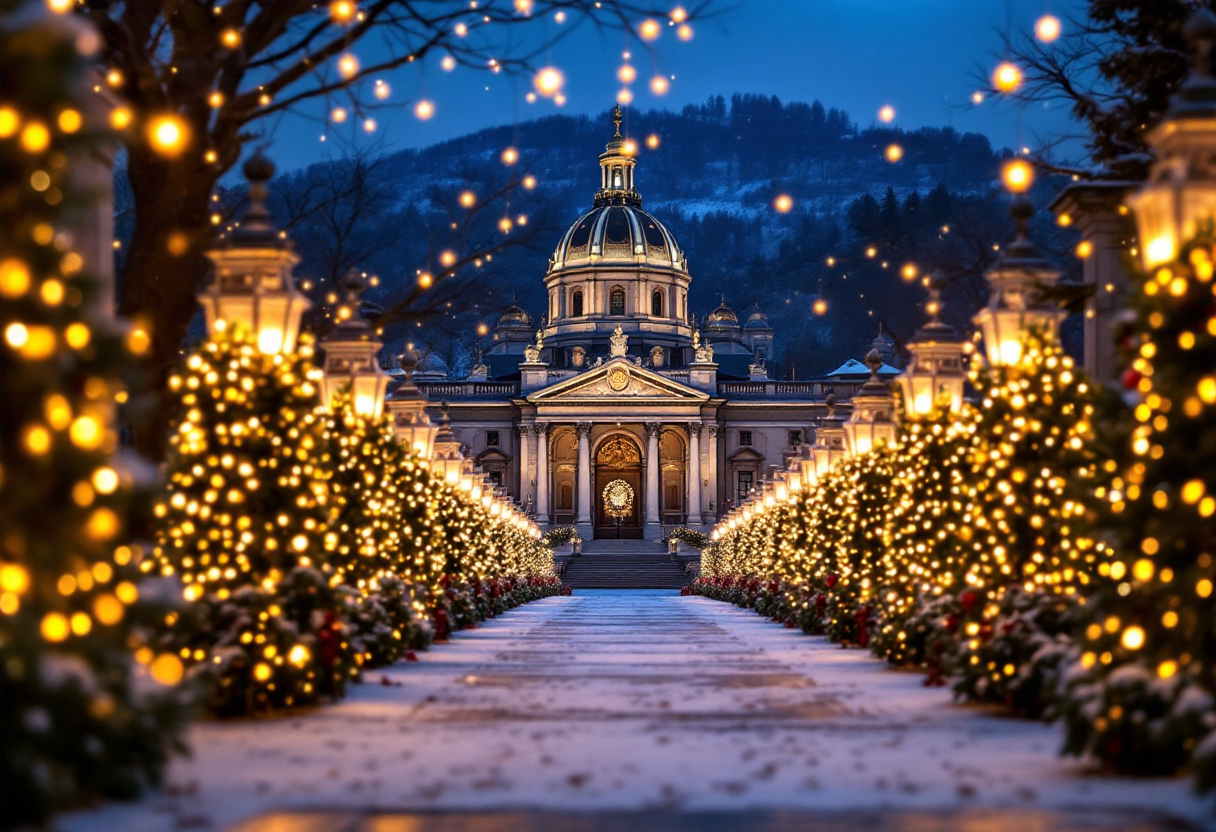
(923, 57)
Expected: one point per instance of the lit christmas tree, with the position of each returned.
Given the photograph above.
(77, 721)
(1037, 476)
(1140, 698)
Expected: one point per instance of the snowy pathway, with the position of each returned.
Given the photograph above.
(643, 701)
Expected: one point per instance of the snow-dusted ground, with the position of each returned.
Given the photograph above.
(628, 700)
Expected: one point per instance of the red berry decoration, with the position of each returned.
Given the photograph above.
(968, 599)
(1131, 378)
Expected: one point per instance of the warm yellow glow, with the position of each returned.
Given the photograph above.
(652, 141)
(1010, 351)
(35, 138)
(1159, 250)
(626, 74)
(167, 134)
(1018, 176)
(467, 199)
(14, 578)
(1047, 28)
(348, 66)
(783, 204)
(70, 121)
(424, 110)
(270, 340)
(9, 122)
(342, 11)
(650, 29)
(1007, 77)
(60, 6)
(894, 153)
(549, 81)
(684, 32)
(886, 114)
(55, 627)
(820, 306)
(625, 96)
(14, 278)
(510, 156)
(659, 85)
(1133, 638)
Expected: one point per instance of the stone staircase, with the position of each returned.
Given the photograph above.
(624, 564)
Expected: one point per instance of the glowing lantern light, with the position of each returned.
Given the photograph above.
(909, 271)
(652, 141)
(678, 15)
(625, 96)
(382, 90)
(1018, 176)
(1007, 77)
(549, 81)
(423, 110)
(886, 114)
(1015, 306)
(342, 11)
(894, 153)
(684, 32)
(348, 66)
(407, 408)
(783, 204)
(350, 356)
(448, 63)
(650, 29)
(1179, 195)
(659, 85)
(626, 74)
(510, 156)
(1047, 28)
(167, 134)
(872, 423)
(338, 115)
(820, 306)
(935, 374)
(231, 38)
(467, 199)
(252, 283)
(977, 97)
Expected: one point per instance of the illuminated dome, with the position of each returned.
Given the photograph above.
(721, 319)
(515, 318)
(617, 231)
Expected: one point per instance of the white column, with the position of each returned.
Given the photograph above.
(715, 491)
(582, 517)
(694, 473)
(653, 529)
(541, 430)
(525, 487)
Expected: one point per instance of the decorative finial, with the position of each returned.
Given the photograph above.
(256, 226)
(352, 283)
(408, 362)
(874, 362)
(830, 401)
(616, 119)
(1022, 210)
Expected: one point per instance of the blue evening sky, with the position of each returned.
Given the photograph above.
(920, 56)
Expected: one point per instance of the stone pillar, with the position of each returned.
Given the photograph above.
(653, 529)
(715, 491)
(694, 473)
(582, 516)
(525, 486)
(541, 429)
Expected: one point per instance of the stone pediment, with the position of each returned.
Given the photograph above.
(618, 379)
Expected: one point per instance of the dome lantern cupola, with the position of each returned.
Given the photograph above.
(616, 170)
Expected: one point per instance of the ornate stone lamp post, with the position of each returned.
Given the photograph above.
(872, 423)
(252, 284)
(447, 462)
(351, 352)
(829, 447)
(934, 377)
(407, 407)
(1016, 306)
(1180, 194)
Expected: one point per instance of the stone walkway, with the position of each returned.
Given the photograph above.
(605, 703)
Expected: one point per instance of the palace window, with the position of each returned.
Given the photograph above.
(576, 304)
(616, 301)
(656, 303)
(492, 439)
(745, 438)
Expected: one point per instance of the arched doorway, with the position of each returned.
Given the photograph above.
(618, 458)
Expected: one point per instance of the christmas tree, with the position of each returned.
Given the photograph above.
(1140, 696)
(245, 526)
(77, 720)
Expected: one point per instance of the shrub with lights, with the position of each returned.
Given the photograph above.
(1141, 696)
(79, 718)
(245, 525)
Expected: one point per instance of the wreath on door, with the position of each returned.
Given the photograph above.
(618, 499)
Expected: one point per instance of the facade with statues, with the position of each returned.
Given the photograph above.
(620, 394)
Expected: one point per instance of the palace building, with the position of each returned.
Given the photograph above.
(618, 385)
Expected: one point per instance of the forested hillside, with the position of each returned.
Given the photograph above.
(711, 173)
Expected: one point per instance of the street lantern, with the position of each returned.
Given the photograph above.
(1016, 306)
(252, 284)
(934, 376)
(351, 351)
(1180, 193)
(447, 462)
(829, 447)
(407, 407)
(872, 422)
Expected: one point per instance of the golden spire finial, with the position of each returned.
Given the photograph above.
(616, 119)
